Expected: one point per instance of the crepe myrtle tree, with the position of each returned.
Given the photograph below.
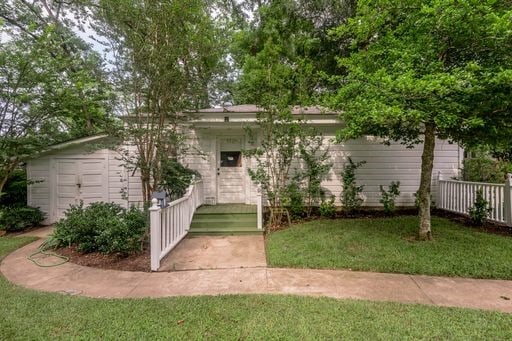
(164, 55)
(417, 70)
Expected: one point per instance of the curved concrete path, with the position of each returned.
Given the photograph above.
(79, 280)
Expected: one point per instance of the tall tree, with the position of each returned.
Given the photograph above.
(280, 51)
(283, 50)
(165, 53)
(425, 69)
(51, 83)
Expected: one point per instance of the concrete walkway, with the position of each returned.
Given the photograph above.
(216, 252)
(78, 280)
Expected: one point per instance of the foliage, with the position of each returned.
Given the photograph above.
(391, 245)
(420, 69)
(15, 189)
(176, 178)
(275, 51)
(351, 199)
(102, 227)
(52, 87)
(485, 169)
(315, 168)
(165, 54)
(481, 208)
(293, 199)
(283, 48)
(278, 148)
(19, 218)
(388, 197)
(327, 209)
(208, 315)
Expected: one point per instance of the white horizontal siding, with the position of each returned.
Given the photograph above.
(117, 180)
(39, 193)
(201, 157)
(385, 164)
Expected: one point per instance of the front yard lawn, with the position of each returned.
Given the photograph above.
(30, 315)
(389, 245)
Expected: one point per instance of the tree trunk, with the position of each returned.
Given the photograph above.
(3, 181)
(427, 164)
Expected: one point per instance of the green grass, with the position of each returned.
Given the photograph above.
(388, 245)
(30, 315)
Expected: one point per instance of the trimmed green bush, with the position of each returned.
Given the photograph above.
(351, 199)
(103, 227)
(480, 210)
(327, 208)
(388, 197)
(17, 218)
(293, 199)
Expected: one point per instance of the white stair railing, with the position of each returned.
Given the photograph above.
(170, 224)
(259, 211)
(459, 196)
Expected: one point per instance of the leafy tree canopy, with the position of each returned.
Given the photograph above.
(52, 86)
(420, 69)
(282, 50)
(445, 62)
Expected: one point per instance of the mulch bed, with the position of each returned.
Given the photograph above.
(489, 227)
(135, 262)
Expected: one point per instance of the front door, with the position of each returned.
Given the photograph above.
(230, 170)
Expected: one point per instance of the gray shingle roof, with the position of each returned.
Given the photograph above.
(252, 108)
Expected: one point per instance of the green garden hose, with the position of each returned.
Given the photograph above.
(42, 251)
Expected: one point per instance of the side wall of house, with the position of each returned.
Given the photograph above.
(384, 164)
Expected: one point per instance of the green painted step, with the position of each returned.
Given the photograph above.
(227, 209)
(193, 233)
(225, 217)
(223, 225)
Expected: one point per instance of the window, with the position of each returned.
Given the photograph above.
(230, 159)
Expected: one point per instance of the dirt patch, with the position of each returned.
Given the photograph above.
(135, 262)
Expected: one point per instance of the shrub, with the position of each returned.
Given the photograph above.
(103, 227)
(388, 197)
(293, 199)
(176, 178)
(17, 218)
(481, 209)
(327, 208)
(484, 169)
(316, 166)
(351, 196)
(14, 192)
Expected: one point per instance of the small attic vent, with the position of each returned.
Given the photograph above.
(226, 118)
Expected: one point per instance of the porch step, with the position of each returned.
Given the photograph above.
(225, 219)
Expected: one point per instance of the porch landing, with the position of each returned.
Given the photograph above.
(225, 219)
(216, 252)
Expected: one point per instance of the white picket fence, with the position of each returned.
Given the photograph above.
(459, 196)
(169, 225)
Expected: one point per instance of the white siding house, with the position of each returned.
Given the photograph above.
(69, 173)
(218, 131)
